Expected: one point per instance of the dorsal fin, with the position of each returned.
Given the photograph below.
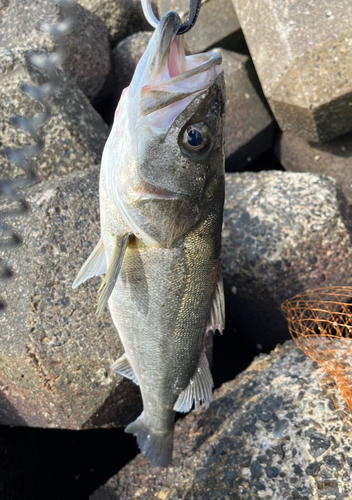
(109, 281)
(95, 265)
(199, 388)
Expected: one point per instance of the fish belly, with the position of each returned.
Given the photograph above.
(160, 307)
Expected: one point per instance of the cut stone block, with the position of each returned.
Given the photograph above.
(55, 353)
(283, 233)
(302, 53)
(122, 17)
(272, 433)
(249, 124)
(217, 24)
(88, 50)
(333, 158)
(74, 137)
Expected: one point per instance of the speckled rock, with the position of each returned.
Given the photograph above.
(249, 124)
(283, 233)
(55, 353)
(125, 57)
(88, 51)
(332, 158)
(270, 434)
(122, 17)
(217, 24)
(74, 137)
(302, 52)
(3, 7)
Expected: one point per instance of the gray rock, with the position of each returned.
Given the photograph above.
(301, 51)
(88, 51)
(283, 233)
(55, 353)
(122, 17)
(249, 124)
(3, 7)
(333, 158)
(74, 136)
(228, 452)
(125, 57)
(217, 24)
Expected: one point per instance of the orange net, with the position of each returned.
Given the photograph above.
(320, 322)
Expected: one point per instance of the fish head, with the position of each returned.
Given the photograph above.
(166, 145)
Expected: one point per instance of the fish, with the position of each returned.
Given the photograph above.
(161, 189)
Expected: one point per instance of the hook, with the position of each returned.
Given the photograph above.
(194, 9)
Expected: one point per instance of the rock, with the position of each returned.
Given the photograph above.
(283, 233)
(74, 136)
(122, 17)
(3, 7)
(217, 24)
(301, 51)
(249, 124)
(55, 353)
(125, 57)
(332, 158)
(272, 433)
(88, 51)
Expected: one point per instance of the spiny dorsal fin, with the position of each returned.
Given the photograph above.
(124, 368)
(198, 390)
(217, 312)
(109, 281)
(95, 265)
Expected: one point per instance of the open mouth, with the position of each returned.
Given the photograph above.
(175, 79)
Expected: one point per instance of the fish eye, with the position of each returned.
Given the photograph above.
(196, 138)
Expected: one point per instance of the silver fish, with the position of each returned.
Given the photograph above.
(161, 200)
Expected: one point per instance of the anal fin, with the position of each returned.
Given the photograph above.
(95, 265)
(199, 389)
(217, 312)
(111, 276)
(123, 367)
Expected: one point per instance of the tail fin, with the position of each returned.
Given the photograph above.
(155, 446)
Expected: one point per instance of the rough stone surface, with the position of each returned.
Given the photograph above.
(283, 233)
(88, 51)
(249, 124)
(122, 17)
(217, 24)
(333, 158)
(302, 53)
(125, 57)
(3, 7)
(270, 434)
(74, 137)
(54, 353)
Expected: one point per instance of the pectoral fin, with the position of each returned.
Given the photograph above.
(123, 367)
(217, 312)
(109, 281)
(199, 389)
(95, 265)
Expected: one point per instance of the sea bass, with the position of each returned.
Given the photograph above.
(161, 201)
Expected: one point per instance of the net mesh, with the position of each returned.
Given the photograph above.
(320, 322)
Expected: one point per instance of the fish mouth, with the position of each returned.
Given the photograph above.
(173, 76)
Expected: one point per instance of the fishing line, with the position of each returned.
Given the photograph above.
(20, 156)
(194, 9)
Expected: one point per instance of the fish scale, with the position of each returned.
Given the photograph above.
(161, 203)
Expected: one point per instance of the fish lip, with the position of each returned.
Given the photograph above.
(150, 192)
(162, 40)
